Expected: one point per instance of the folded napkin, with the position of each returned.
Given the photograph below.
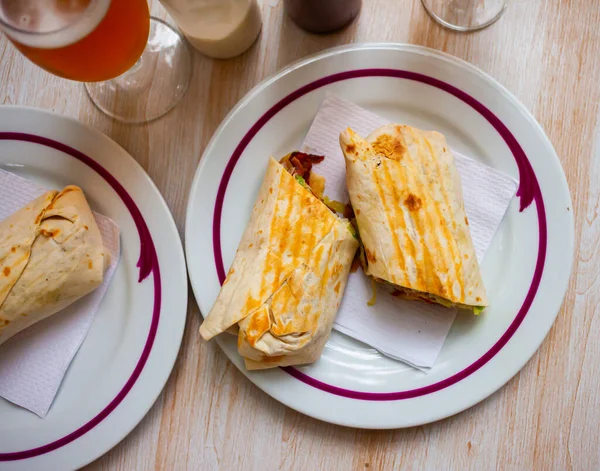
(409, 331)
(34, 362)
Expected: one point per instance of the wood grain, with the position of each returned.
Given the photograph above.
(210, 417)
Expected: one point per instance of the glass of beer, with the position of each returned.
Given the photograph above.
(465, 15)
(135, 68)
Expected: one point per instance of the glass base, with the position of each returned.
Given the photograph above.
(154, 85)
(465, 15)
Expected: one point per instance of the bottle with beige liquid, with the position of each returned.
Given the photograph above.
(217, 28)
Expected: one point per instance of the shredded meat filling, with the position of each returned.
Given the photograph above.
(410, 294)
(300, 163)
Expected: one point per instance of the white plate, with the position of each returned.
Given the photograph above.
(525, 270)
(130, 350)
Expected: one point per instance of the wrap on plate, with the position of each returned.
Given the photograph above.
(51, 254)
(407, 198)
(288, 275)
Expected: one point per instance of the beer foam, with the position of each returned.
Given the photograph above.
(43, 25)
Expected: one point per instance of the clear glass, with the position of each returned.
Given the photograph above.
(136, 69)
(154, 85)
(465, 15)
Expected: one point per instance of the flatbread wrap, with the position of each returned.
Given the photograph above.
(407, 197)
(51, 254)
(288, 276)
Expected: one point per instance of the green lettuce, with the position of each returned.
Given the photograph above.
(302, 182)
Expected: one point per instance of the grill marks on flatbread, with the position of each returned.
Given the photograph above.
(287, 278)
(406, 194)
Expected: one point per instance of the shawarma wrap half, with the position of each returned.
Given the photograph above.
(407, 198)
(51, 254)
(289, 273)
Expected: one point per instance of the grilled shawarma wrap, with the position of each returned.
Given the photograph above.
(407, 198)
(288, 276)
(51, 254)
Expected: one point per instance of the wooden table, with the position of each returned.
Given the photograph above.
(210, 417)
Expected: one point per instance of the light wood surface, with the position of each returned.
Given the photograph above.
(209, 417)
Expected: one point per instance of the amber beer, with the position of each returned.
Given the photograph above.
(83, 40)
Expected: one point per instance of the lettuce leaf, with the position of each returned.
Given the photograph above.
(334, 205)
(302, 182)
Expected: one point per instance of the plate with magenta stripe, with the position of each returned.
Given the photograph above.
(526, 269)
(130, 349)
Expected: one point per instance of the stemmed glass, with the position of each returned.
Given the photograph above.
(465, 15)
(135, 68)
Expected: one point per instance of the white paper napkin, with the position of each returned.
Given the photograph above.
(34, 362)
(410, 331)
